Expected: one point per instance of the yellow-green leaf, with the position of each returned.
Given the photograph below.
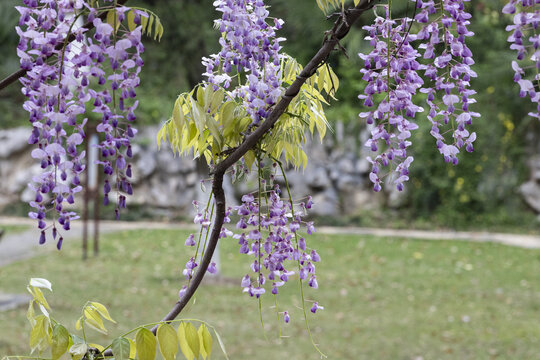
(131, 20)
(205, 339)
(102, 310)
(250, 159)
(168, 343)
(31, 313)
(97, 346)
(178, 114)
(120, 348)
(184, 344)
(145, 342)
(144, 22)
(192, 339)
(149, 28)
(60, 341)
(112, 19)
(221, 345)
(132, 349)
(37, 294)
(93, 319)
(39, 336)
(77, 351)
(216, 101)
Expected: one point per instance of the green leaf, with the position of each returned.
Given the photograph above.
(168, 343)
(192, 339)
(198, 115)
(131, 20)
(92, 318)
(132, 349)
(37, 294)
(41, 283)
(145, 343)
(77, 351)
(161, 136)
(112, 19)
(178, 114)
(78, 324)
(158, 30)
(31, 313)
(102, 310)
(250, 159)
(184, 344)
(221, 345)
(120, 348)
(213, 126)
(205, 339)
(217, 100)
(144, 22)
(226, 114)
(60, 341)
(39, 336)
(150, 22)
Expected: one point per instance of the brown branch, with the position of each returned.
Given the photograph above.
(21, 72)
(249, 143)
(339, 31)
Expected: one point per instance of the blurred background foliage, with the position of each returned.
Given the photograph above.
(483, 191)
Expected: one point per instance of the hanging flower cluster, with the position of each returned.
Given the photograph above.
(271, 235)
(248, 45)
(282, 242)
(526, 41)
(60, 91)
(392, 68)
(451, 74)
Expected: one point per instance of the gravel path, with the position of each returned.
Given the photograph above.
(24, 244)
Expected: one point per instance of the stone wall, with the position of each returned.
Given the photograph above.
(336, 176)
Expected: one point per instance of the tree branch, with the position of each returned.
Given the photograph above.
(338, 33)
(21, 72)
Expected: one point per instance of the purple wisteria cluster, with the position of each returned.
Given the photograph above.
(450, 74)
(393, 67)
(526, 41)
(273, 239)
(270, 234)
(60, 86)
(250, 51)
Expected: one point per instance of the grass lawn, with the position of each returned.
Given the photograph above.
(13, 229)
(384, 298)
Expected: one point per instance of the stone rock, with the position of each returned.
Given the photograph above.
(317, 179)
(346, 165)
(531, 194)
(326, 203)
(362, 166)
(361, 199)
(14, 141)
(145, 164)
(297, 183)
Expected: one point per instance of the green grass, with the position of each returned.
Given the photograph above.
(13, 229)
(383, 298)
